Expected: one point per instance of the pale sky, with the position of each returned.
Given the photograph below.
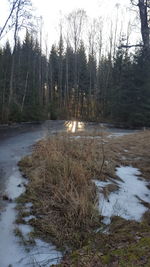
(52, 11)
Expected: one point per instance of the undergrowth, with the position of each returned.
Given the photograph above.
(60, 171)
(61, 189)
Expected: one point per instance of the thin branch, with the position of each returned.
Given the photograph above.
(133, 3)
(6, 22)
(130, 46)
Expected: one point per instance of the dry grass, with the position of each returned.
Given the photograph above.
(61, 170)
(128, 244)
(61, 190)
(133, 149)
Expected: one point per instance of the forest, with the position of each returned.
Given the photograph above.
(76, 78)
(75, 134)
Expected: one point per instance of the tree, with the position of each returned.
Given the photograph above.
(76, 20)
(145, 30)
(5, 66)
(144, 9)
(53, 81)
(82, 80)
(6, 25)
(60, 63)
(21, 17)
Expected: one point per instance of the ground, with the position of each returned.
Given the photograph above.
(61, 172)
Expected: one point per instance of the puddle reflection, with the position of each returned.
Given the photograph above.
(74, 126)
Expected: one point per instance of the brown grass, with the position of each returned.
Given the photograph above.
(127, 245)
(60, 171)
(133, 149)
(61, 190)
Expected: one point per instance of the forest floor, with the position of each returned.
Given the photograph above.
(63, 171)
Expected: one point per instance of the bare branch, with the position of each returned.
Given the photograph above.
(8, 18)
(133, 3)
(129, 46)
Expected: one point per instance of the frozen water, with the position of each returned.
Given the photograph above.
(15, 185)
(12, 250)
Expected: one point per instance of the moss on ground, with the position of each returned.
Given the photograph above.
(127, 245)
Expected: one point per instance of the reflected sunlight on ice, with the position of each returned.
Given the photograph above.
(74, 126)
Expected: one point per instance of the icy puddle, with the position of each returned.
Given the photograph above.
(13, 252)
(17, 255)
(126, 201)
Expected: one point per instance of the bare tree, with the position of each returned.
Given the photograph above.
(116, 30)
(76, 21)
(20, 18)
(13, 6)
(144, 8)
(60, 63)
(92, 35)
(99, 38)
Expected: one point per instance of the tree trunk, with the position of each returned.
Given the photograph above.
(143, 10)
(25, 91)
(13, 58)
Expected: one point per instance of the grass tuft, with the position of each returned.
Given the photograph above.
(61, 189)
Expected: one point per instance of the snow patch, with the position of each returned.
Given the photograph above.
(85, 137)
(28, 218)
(101, 183)
(17, 255)
(12, 251)
(125, 202)
(115, 135)
(25, 230)
(15, 185)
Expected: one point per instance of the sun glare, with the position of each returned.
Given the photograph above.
(74, 126)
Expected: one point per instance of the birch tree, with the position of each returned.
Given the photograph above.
(21, 17)
(76, 21)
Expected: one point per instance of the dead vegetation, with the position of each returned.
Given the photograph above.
(134, 150)
(127, 245)
(64, 198)
(61, 189)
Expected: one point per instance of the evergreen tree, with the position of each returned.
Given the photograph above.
(5, 67)
(82, 81)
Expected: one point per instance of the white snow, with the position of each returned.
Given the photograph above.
(15, 253)
(28, 205)
(101, 183)
(28, 218)
(115, 134)
(85, 137)
(15, 184)
(125, 202)
(12, 251)
(25, 229)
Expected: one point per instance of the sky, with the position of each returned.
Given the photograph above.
(54, 10)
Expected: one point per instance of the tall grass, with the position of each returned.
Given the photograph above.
(61, 189)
